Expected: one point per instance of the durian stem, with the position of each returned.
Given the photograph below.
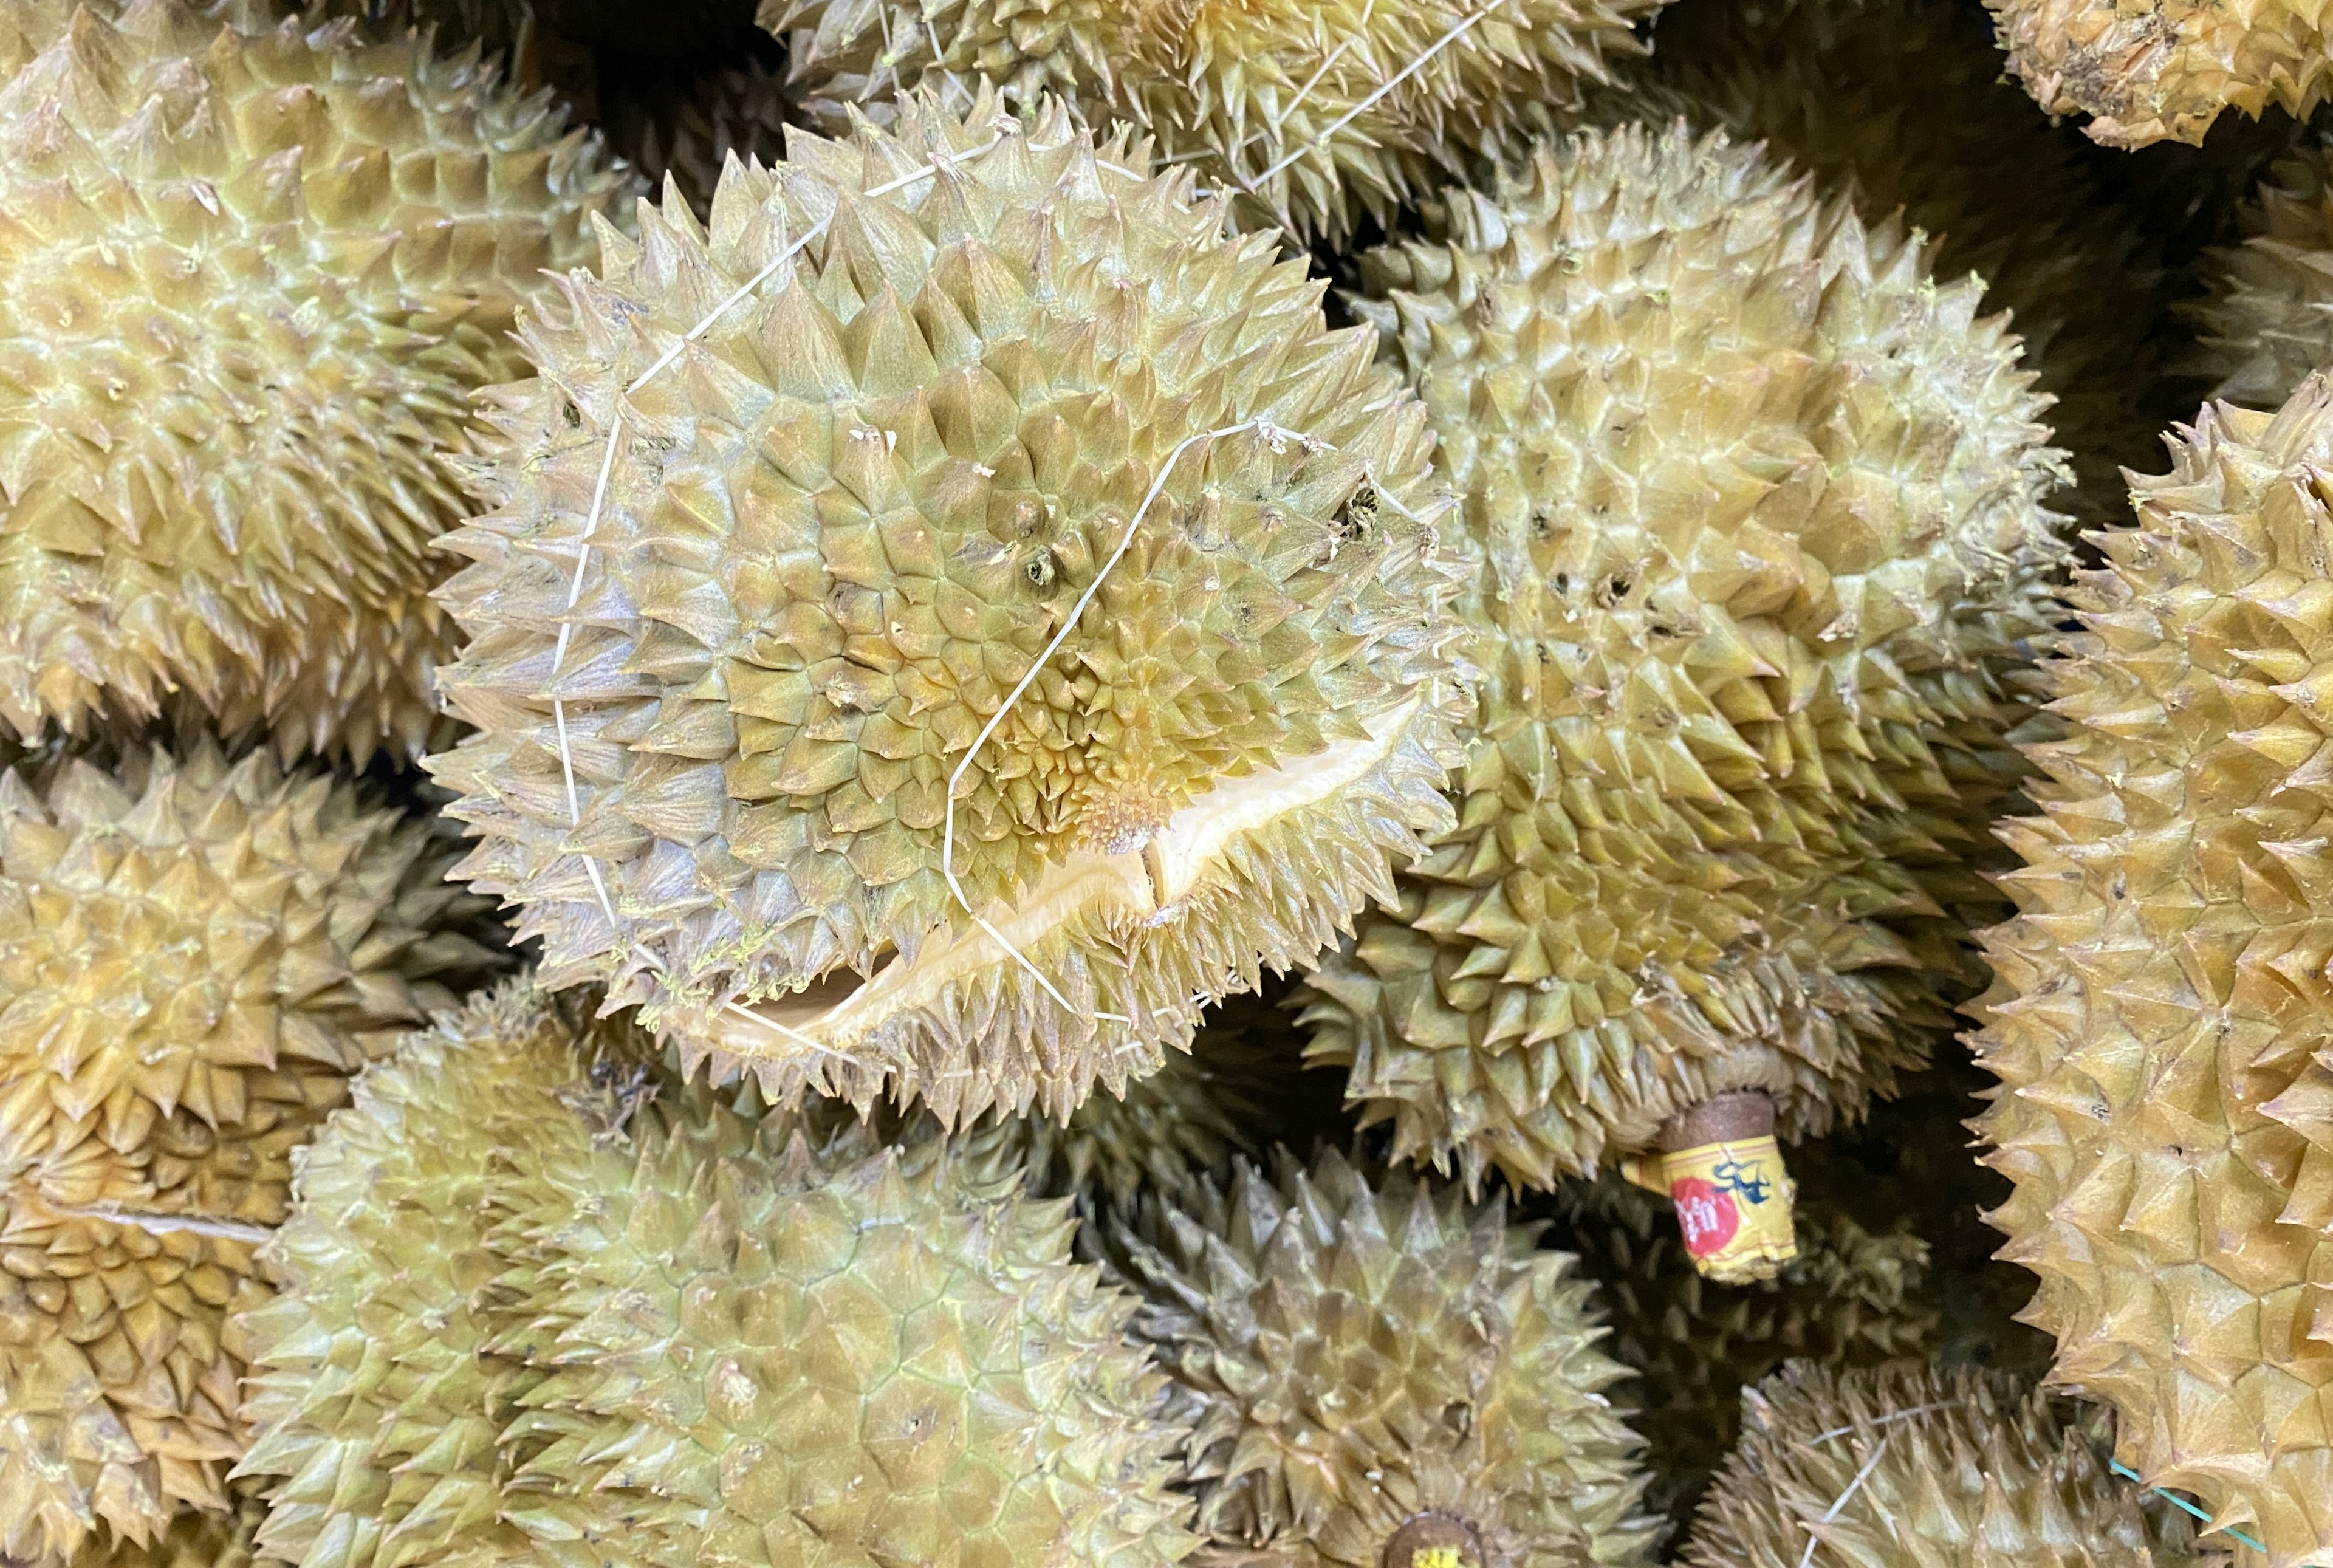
(1720, 1166)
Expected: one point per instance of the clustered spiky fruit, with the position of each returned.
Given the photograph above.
(195, 956)
(976, 360)
(2148, 71)
(2162, 1022)
(1926, 1469)
(250, 272)
(2268, 322)
(1901, 104)
(1364, 1359)
(527, 1311)
(1755, 505)
(1306, 114)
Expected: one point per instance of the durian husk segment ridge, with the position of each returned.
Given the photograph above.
(195, 954)
(1755, 507)
(1902, 103)
(2149, 71)
(250, 270)
(1306, 114)
(1924, 1467)
(838, 536)
(2268, 321)
(2161, 1020)
(1359, 1352)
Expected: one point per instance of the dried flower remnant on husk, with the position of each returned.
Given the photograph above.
(1757, 510)
(2162, 1022)
(1306, 114)
(841, 529)
(2149, 71)
(1362, 1358)
(253, 270)
(196, 957)
(1924, 1469)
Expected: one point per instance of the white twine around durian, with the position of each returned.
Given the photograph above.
(1274, 435)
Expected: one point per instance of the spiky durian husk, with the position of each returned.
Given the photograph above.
(1356, 1355)
(1757, 504)
(1851, 1297)
(2148, 71)
(2162, 1021)
(377, 1402)
(250, 274)
(956, 396)
(1927, 1469)
(2268, 322)
(195, 956)
(204, 1540)
(684, 127)
(1308, 113)
(1901, 101)
(760, 1345)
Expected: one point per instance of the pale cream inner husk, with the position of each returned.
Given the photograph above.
(1148, 886)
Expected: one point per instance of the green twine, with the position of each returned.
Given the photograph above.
(2178, 1502)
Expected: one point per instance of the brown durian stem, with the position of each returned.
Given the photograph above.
(1435, 1539)
(1720, 1166)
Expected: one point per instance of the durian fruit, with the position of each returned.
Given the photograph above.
(378, 1402)
(194, 955)
(1852, 1297)
(204, 1540)
(2269, 320)
(1757, 504)
(1306, 114)
(987, 372)
(2162, 1021)
(1376, 1367)
(2149, 71)
(1903, 101)
(760, 1345)
(1915, 1468)
(684, 127)
(250, 272)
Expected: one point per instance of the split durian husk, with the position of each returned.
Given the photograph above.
(1852, 1297)
(2161, 1023)
(1755, 505)
(2267, 323)
(1307, 115)
(1360, 1354)
(1917, 1467)
(195, 956)
(250, 270)
(685, 128)
(975, 351)
(1901, 104)
(2163, 69)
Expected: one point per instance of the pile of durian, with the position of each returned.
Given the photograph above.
(1097, 783)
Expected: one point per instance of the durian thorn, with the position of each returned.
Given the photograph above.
(798, 1037)
(1275, 437)
(2176, 1501)
(1880, 1421)
(1853, 1486)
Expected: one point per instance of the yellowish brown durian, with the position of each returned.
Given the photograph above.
(1756, 508)
(977, 372)
(1378, 1369)
(195, 957)
(2161, 1019)
(1306, 113)
(1914, 1467)
(250, 270)
(2148, 71)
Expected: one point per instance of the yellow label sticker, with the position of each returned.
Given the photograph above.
(1734, 1202)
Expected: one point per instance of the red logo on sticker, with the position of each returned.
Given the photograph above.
(1707, 1217)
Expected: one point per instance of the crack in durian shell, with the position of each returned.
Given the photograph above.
(1357, 1353)
(2161, 1020)
(236, 348)
(836, 536)
(1755, 513)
